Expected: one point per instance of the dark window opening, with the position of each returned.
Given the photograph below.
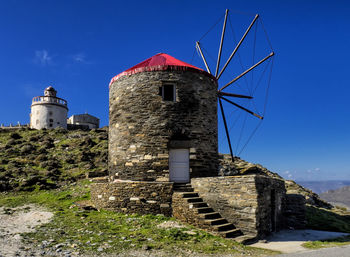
(168, 93)
(51, 120)
(50, 125)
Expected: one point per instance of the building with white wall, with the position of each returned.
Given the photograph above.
(48, 111)
(85, 120)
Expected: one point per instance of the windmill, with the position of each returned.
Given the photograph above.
(230, 97)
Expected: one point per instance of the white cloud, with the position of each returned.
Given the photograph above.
(42, 57)
(81, 58)
(317, 169)
(289, 176)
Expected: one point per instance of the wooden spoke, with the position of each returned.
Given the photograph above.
(234, 95)
(204, 60)
(226, 129)
(238, 45)
(241, 107)
(221, 42)
(248, 70)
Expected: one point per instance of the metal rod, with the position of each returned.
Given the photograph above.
(238, 45)
(226, 129)
(245, 72)
(241, 107)
(205, 61)
(234, 95)
(221, 43)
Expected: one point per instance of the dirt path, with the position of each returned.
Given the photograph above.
(14, 221)
(290, 241)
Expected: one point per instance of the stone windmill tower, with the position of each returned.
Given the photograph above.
(163, 122)
(48, 111)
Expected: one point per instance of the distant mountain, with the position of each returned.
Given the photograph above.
(323, 186)
(340, 196)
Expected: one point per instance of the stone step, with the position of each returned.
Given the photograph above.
(182, 184)
(246, 239)
(231, 233)
(189, 195)
(183, 189)
(198, 205)
(224, 227)
(194, 200)
(205, 210)
(216, 221)
(210, 215)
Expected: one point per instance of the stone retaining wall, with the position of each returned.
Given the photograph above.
(133, 197)
(245, 201)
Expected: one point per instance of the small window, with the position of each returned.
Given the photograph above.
(37, 112)
(50, 125)
(51, 120)
(168, 92)
(50, 113)
(37, 122)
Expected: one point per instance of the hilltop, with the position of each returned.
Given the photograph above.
(46, 159)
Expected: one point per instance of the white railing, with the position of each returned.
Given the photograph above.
(49, 99)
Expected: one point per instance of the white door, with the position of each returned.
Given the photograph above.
(179, 165)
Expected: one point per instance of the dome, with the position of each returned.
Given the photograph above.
(159, 62)
(50, 91)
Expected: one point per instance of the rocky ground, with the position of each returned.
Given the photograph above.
(16, 221)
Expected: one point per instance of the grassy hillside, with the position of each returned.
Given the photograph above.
(44, 159)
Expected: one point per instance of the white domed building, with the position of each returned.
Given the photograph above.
(48, 111)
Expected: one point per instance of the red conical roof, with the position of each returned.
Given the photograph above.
(159, 62)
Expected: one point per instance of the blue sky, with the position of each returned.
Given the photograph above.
(78, 46)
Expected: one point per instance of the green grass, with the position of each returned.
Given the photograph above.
(328, 220)
(86, 231)
(340, 241)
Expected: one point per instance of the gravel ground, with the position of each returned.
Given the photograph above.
(13, 222)
(342, 251)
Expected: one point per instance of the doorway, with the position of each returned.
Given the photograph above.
(179, 165)
(273, 210)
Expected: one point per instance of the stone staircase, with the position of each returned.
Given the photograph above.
(200, 214)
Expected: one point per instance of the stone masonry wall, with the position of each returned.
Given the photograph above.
(143, 127)
(133, 197)
(295, 211)
(244, 201)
